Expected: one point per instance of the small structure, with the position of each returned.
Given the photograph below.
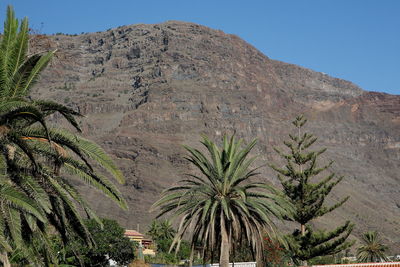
(146, 244)
(134, 235)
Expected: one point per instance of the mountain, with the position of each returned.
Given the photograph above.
(147, 89)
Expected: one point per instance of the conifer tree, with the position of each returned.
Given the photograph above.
(305, 185)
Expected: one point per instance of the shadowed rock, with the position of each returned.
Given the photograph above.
(147, 89)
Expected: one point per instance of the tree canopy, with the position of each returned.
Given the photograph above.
(218, 205)
(37, 161)
(307, 184)
(110, 244)
(372, 248)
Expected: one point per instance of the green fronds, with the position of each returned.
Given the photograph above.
(20, 78)
(21, 47)
(95, 152)
(161, 230)
(97, 181)
(80, 146)
(34, 159)
(372, 249)
(17, 200)
(17, 72)
(35, 192)
(27, 83)
(4, 244)
(62, 142)
(11, 104)
(27, 112)
(7, 41)
(224, 190)
(78, 198)
(70, 217)
(49, 107)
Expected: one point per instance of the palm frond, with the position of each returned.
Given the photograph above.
(223, 193)
(20, 201)
(27, 83)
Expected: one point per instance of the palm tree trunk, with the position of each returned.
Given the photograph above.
(191, 256)
(4, 259)
(224, 257)
(233, 252)
(205, 255)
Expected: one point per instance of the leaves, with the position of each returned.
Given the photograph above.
(372, 249)
(224, 190)
(35, 160)
(307, 192)
(161, 230)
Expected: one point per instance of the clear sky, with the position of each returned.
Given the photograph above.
(356, 40)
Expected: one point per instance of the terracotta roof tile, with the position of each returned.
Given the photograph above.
(133, 233)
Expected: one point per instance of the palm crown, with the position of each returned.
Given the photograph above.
(372, 249)
(221, 205)
(37, 161)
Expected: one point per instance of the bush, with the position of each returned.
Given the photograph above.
(110, 244)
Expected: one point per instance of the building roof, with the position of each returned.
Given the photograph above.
(133, 233)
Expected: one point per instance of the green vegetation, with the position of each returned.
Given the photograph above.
(322, 260)
(275, 254)
(372, 249)
(221, 207)
(161, 230)
(163, 256)
(162, 233)
(223, 213)
(110, 244)
(308, 197)
(35, 159)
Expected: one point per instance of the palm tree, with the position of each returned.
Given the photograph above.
(166, 230)
(221, 206)
(12, 203)
(38, 161)
(155, 230)
(372, 249)
(161, 230)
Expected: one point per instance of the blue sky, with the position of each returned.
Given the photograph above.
(356, 40)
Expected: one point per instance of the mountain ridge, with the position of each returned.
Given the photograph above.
(147, 89)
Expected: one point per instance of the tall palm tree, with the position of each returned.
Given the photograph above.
(220, 205)
(37, 160)
(372, 249)
(154, 230)
(161, 230)
(166, 230)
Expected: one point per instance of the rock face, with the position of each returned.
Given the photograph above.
(147, 89)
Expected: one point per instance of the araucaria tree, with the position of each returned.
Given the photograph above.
(304, 182)
(221, 206)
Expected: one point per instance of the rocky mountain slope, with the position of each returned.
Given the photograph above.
(147, 89)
